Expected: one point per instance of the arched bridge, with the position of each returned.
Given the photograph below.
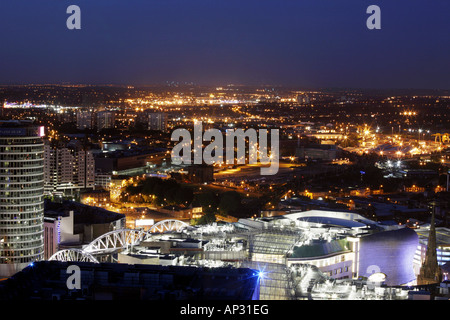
(117, 240)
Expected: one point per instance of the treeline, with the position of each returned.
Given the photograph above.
(159, 192)
(162, 192)
(227, 203)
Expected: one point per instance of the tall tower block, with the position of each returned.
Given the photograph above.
(21, 195)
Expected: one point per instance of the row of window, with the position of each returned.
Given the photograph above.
(33, 237)
(20, 222)
(30, 253)
(21, 208)
(18, 247)
(21, 216)
(6, 169)
(338, 271)
(21, 186)
(22, 140)
(37, 171)
(21, 259)
(21, 179)
(20, 234)
(34, 200)
(19, 157)
(21, 149)
(10, 194)
(23, 200)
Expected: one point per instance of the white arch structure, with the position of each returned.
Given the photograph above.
(115, 240)
(168, 225)
(73, 255)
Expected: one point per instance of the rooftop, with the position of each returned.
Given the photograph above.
(15, 123)
(82, 213)
(46, 279)
(319, 248)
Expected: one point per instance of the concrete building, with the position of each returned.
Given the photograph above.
(68, 168)
(85, 119)
(103, 180)
(59, 230)
(105, 120)
(72, 225)
(157, 121)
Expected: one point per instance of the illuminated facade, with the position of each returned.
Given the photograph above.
(67, 170)
(157, 121)
(442, 248)
(311, 254)
(21, 195)
(105, 120)
(85, 119)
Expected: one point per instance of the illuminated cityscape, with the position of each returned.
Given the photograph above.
(352, 200)
(356, 208)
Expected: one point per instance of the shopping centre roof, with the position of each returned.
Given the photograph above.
(332, 218)
(335, 222)
(319, 248)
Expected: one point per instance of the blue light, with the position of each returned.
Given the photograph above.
(31, 264)
(260, 273)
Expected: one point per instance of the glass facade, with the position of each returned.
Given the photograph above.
(21, 197)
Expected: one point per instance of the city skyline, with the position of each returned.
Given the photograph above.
(215, 150)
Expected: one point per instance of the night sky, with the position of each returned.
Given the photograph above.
(304, 43)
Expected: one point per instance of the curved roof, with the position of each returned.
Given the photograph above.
(335, 218)
(319, 248)
(336, 222)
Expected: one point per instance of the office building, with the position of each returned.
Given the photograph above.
(85, 120)
(157, 121)
(105, 120)
(68, 169)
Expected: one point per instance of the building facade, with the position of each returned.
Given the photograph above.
(21, 195)
(157, 121)
(67, 170)
(85, 120)
(105, 120)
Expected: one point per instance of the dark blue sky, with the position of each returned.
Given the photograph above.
(305, 43)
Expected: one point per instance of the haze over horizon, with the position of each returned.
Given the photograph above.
(287, 43)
